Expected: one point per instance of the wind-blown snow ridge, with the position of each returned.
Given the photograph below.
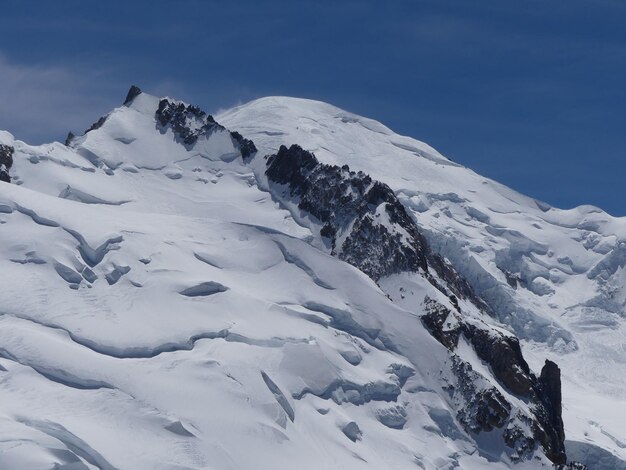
(168, 304)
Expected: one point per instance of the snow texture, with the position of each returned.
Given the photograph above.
(164, 305)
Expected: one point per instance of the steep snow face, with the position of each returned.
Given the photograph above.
(365, 224)
(161, 310)
(554, 277)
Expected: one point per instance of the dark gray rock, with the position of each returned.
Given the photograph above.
(186, 121)
(245, 146)
(517, 437)
(133, 93)
(339, 198)
(484, 408)
(382, 238)
(6, 155)
(504, 356)
(441, 323)
(189, 123)
(6, 162)
(551, 433)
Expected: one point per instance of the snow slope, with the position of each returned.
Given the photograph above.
(160, 309)
(554, 277)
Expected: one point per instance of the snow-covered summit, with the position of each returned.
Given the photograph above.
(175, 299)
(555, 277)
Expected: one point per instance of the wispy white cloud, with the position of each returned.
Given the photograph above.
(42, 103)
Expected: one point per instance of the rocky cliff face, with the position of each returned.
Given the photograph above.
(504, 356)
(351, 208)
(190, 123)
(549, 389)
(362, 220)
(364, 224)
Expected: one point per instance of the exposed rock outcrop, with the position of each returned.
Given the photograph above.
(443, 324)
(504, 356)
(553, 436)
(364, 213)
(186, 121)
(481, 408)
(365, 225)
(6, 162)
(363, 221)
(502, 353)
(189, 123)
(133, 93)
(246, 146)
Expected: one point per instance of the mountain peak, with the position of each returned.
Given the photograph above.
(133, 92)
(341, 277)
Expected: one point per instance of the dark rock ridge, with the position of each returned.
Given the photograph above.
(133, 93)
(442, 323)
(484, 409)
(342, 199)
(98, 124)
(246, 146)
(186, 121)
(364, 224)
(504, 356)
(362, 220)
(189, 123)
(6, 162)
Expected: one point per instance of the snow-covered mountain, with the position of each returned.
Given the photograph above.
(289, 285)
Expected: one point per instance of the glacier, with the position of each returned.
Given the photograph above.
(177, 295)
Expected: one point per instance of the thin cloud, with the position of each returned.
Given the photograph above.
(42, 103)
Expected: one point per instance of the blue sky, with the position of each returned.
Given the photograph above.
(530, 93)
